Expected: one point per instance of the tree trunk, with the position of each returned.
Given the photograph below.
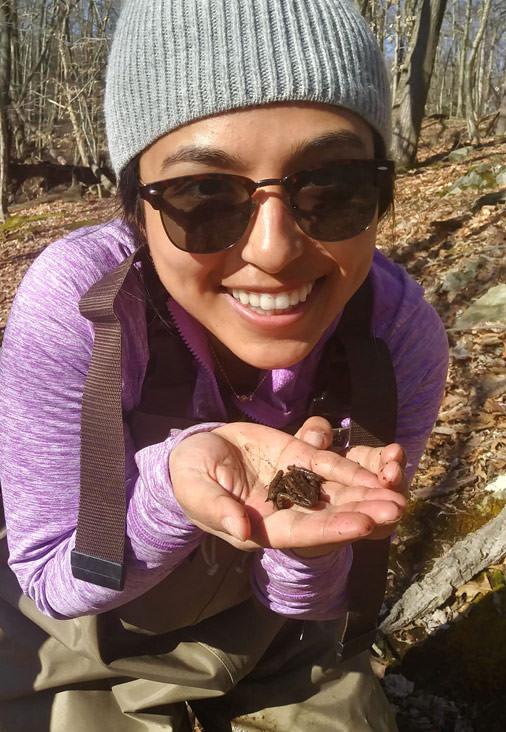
(464, 560)
(69, 88)
(414, 81)
(5, 69)
(463, 61)
(500, 126)
(471, 107)
(488, 72)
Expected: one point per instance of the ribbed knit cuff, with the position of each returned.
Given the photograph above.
(156, 523)
(312, 589)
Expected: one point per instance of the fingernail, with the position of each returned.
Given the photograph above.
(233, 526)
(316, 439)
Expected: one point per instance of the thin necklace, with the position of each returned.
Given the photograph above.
(240, 397)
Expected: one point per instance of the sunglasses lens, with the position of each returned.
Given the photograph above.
(337, 202)
(204, 214)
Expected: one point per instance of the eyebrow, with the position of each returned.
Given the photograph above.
(341, 140)
(329, 142)
(201, 154)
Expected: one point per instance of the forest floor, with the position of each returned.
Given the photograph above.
(453, 243)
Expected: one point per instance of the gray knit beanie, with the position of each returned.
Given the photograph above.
(174, 61)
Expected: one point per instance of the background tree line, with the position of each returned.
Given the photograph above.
(447, 59)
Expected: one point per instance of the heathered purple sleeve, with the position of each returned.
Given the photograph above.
(308, 589)
(45, 358)
(418, 345)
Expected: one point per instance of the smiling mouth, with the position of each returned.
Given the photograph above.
(267, 303)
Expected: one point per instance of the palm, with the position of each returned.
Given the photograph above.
(226, 473)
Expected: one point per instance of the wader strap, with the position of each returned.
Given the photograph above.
(373, 423)
(98, 556)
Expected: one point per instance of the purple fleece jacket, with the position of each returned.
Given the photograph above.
(45, 358)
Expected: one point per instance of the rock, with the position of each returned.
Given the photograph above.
(484, 175)
(500, 176)
(489, 308)
(497, 487)
(473, 179)
(461, 353)
(460, 154)
(459, 278)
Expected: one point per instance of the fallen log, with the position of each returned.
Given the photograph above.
(56, 175)
(464, 560)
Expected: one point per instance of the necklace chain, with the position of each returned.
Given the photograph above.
(240, 397)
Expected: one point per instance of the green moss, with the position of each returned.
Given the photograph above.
(427, 531)
(15, 222)
(81, 224)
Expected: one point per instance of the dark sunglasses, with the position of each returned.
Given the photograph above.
(208, 213)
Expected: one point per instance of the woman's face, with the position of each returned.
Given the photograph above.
(274, 257)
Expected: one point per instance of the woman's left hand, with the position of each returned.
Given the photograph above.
(387, 463)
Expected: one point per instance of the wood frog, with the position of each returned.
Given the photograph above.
(297, 486)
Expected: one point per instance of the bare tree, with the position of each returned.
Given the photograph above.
(471, 108)
(414, 81)
(70, 87)
(464, 45)
(500, 126)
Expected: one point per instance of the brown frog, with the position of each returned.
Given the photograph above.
(297, 486)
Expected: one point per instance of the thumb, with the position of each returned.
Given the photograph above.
(317, 432)
(210, 484)
(209, 503)
(227, 516)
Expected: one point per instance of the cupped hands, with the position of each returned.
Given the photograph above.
(220, 480)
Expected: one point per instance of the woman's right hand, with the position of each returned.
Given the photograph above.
(220, 480)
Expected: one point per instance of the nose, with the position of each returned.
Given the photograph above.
(273, 239)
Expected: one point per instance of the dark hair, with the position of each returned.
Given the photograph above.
(133, 211)
(130, 200)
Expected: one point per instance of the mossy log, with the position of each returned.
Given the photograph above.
(465, 559)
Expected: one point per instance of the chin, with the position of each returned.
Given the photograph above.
(269, 362)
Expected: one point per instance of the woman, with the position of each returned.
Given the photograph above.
(250, 145)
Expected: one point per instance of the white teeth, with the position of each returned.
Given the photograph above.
(266, 302)
(281, 302)
(294, 297)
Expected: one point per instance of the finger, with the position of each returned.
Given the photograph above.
(374, 458)
(392, 476)
(382, 532)
(395, 452)
(316, 431)
(339, 495)
(210, 484)
(294, 528)
(213, 508)
(342, 470)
